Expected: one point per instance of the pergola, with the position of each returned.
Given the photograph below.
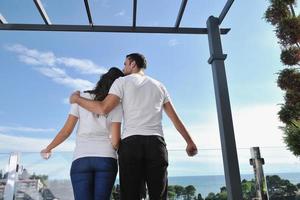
(213, 30)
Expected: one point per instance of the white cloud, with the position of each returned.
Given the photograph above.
(59, 76)
(27, 144)
(84, 66)
(173, 42)
(25, 129)
(32, 56)
(46, 63)
(49, 59)
(120, 14)
(255, 125)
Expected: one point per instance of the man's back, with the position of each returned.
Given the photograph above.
(142, 101)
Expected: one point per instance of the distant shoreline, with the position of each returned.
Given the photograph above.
(205, 184)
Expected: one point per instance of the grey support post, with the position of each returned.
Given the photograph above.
(230, 159)
(257, 162)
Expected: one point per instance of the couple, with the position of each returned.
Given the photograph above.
(142, 153)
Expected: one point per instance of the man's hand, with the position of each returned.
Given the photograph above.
(191, 149)
(74, 97)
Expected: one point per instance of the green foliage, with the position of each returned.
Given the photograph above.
(171, 188)
(43, 178)
(211, 196)
(280, 187)
(288, 31)
(291, 97)
(289, 79)
(248, 189)
(222, 196)
(288, 114)
(199, 197)
(171, 195)
(171, 192)
(277, 188)
(189, 192)
(292, 138)
(179, 190)
(281, 14)
(115, 193)
(290, 56)
(290, 2)
(277, 11)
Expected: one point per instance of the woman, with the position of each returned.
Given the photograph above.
(94, 165)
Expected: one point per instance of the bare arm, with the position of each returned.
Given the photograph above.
(63, 134)
(170, 111)
(98, 107)
(115, 134)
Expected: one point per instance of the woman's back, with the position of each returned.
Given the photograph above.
(93, 131)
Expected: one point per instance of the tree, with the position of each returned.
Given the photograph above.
(189, 191)
(248, 189)
(199, 197)
(43, 178)
(171, 195)
(211, 196)
(281, 14)
(292, 139)
(179, 190)
(290, 56)
(278, 187)
(171, 192)
(115, 194)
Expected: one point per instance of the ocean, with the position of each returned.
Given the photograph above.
(207, 184)
(203, 184)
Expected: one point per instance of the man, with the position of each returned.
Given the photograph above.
(142, 152)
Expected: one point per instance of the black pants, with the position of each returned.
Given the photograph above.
(143, 159)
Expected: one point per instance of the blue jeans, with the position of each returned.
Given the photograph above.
(93, 177)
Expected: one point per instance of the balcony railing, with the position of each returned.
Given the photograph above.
(188, 176)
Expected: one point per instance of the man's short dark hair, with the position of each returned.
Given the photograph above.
(139, 59)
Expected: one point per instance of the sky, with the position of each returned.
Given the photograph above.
(39, 70)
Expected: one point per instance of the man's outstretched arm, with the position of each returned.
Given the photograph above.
(98, 107)
(191, 148)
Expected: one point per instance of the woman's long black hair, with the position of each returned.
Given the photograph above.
(106, 80)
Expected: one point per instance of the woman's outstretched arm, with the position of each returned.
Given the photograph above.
(63, 134)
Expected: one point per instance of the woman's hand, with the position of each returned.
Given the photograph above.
(45, 153)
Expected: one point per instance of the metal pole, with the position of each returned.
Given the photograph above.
(257, 162)
(230, 159)
(96, 28)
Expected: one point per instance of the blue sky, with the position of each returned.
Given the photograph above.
(40, 69)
